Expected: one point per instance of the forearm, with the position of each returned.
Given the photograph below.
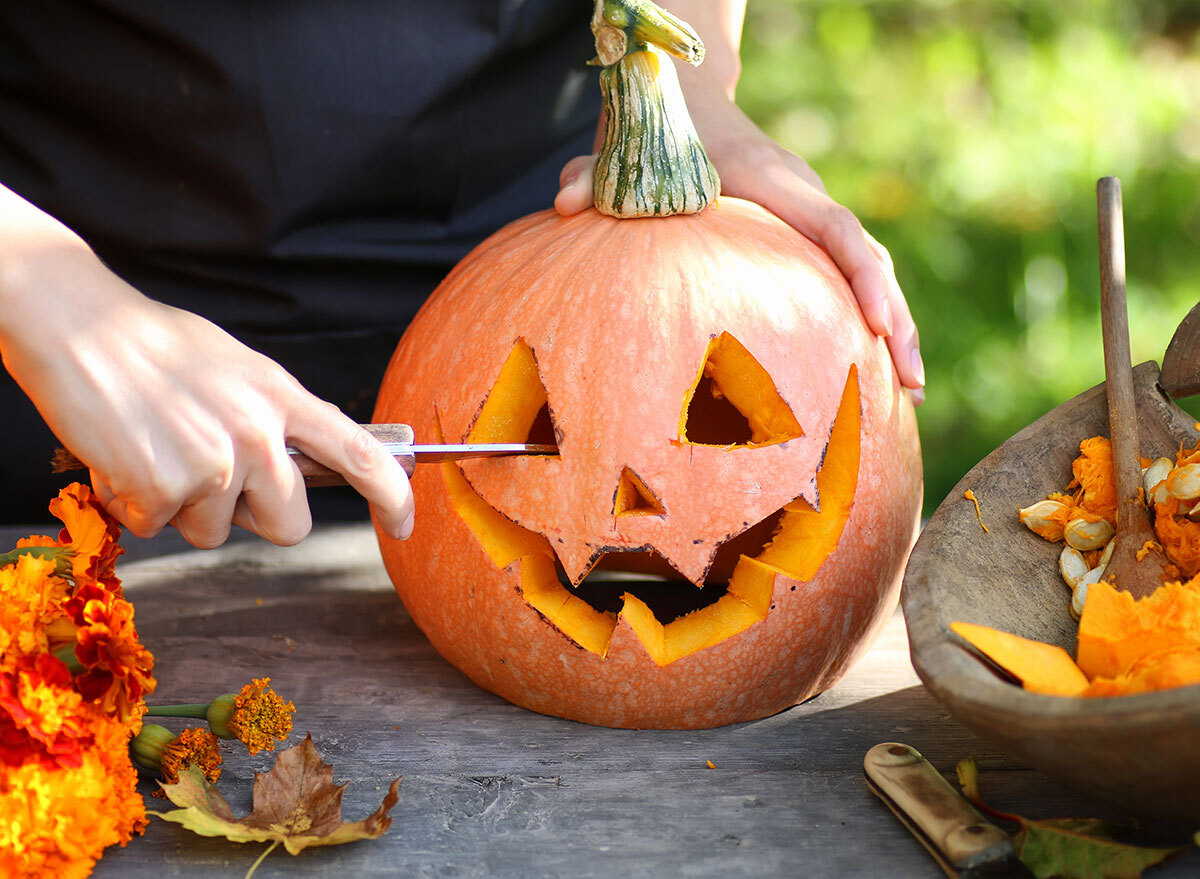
(719, 24)
(32, 243)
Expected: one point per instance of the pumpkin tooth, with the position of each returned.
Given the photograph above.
(577, 560)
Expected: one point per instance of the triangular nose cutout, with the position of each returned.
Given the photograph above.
(516, 409)
(633, 498)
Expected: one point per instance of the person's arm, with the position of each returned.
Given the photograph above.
(754, 167)
(177, 420)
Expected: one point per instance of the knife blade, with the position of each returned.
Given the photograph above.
(965, 844)
(396, 438)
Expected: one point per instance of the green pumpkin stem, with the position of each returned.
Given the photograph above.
(651, 163)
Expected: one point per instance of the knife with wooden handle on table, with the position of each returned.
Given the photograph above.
(396, 438)
(964, 843)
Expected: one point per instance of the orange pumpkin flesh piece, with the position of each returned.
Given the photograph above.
(512, 406)
(560, 316)
(1117, 631)
(1041, 668)
(1124, 646)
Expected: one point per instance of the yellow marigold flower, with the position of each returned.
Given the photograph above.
(258, 718)
(57, 822)
(30, 598)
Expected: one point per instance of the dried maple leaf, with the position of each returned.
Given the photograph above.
(1069, 848)
(296, 804)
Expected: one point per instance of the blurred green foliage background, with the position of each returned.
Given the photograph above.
(968, 136)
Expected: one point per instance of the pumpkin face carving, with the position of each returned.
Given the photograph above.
(738, 477)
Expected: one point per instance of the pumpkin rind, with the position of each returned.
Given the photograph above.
(618, 315)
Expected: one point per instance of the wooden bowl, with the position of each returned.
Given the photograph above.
(1140, 752)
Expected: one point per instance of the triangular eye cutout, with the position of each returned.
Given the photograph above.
(633, 498)
(516, 409)
(734, 401)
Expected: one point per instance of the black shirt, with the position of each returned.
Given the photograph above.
(301, 172)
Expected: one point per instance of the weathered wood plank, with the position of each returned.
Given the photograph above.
(491, 790)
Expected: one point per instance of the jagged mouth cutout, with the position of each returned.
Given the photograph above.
(733, 404)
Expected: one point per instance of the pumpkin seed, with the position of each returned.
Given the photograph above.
(1154, 480)
(1184, 482)
(1038, 518)
(1085, 535)
(1072, 566)
(1078, 600)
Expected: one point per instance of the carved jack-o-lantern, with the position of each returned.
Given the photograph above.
(738, 479)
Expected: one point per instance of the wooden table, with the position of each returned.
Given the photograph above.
(491, 790)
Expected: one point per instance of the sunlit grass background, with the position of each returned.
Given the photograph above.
(968, 137)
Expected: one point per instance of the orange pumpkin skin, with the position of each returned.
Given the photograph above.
(618, 315)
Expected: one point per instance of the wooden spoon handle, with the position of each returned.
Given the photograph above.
(1118, 368)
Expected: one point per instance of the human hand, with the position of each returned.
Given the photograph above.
(754, 167)
(177, 420)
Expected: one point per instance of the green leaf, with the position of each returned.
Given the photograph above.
(1059, 848)
(1069, 848)
(296, 803)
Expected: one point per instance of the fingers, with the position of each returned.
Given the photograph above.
(323, 433)
(904, 341)
(132, 516)
(274, 503)
(784, 185)
(786, 194)
(575, 186)
(264, 495)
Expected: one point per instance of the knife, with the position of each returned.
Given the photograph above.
(396, 438)
(964, 843)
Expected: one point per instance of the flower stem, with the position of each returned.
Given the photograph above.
(60, 555)
(66, 653)
(198, 709)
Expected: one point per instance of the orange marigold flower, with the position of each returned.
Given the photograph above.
(159, 749)
(91, 533)
(40, 717)
(257, 716)
(192, 747)
(117, 666)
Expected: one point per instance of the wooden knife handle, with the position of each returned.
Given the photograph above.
(315, 474)
(949, 826)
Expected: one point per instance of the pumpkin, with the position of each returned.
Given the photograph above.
(738, 476)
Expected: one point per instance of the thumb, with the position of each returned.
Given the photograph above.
(575, 186)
